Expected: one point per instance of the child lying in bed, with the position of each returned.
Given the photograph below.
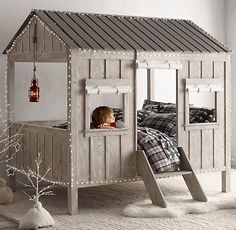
(103, 118)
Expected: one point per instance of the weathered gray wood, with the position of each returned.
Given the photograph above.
(56, 155)
(31, 35)
(209, 40)
(207, 135)
(103, 33)
(191, 36)
(41, 147)
(191, 179)
(90, 42)
(47, 41)
(71, 29)
(40, 38)
(182, 135)
(83, 148)
(64, 157)
(168, 36)
(19, 45)
(150, 83)
(203, 126)
(56, 46)
(143, 34)
(129, 141)
(98, 167)
(219, 135)
(55, 28)
(10, 90)
(73, 121)
(32, 147)
(227, 118)
(195, 135)
(26, 41)
(172, 174)
(112, 69)
(112, 149)
(145, 171)
(72, 198)
(126, 39)
(97, 69)
(26, 150)
(73, 128)
(159, 42)
(48, 153)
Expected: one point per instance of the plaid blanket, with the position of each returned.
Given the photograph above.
(160, 149)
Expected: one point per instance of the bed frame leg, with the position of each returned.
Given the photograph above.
(225, 176)
(72, 200)
(12, 180)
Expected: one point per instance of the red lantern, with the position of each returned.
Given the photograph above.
(34, 91)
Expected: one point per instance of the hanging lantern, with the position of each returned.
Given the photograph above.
(34, 89)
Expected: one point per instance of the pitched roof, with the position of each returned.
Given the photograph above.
(129, 33)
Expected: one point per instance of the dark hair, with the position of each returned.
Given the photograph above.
(100, 114)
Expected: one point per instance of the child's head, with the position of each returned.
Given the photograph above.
(103, 114)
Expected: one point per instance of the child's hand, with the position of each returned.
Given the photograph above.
(105, 126)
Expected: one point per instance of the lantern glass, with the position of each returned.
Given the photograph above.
(34, 91)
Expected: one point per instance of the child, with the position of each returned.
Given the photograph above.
(103, 118)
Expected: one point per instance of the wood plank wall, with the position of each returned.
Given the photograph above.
(52, 143)
(205, 147)
(47, 46)
(104, 157)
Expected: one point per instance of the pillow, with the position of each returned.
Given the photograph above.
(159, 107)
(164, 122)
(118, 114)
(151, 105)
(167, 108)
(142, 114)
(201, 115)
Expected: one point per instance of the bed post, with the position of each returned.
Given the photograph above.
(72, 113)
(10, 82)
(227, 97)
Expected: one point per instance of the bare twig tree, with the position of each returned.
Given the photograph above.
(35, 179)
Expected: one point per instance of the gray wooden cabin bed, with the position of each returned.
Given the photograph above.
(103, 52)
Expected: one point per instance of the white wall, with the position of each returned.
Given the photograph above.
(231, 42)
(208, 14)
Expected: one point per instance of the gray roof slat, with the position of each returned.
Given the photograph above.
(99, 30)
(101, 23)
(89, 40)
(118, 31)
(185, 36)
(130, 33)
(135, 26)
(62, 22)
(75, 30)
(165, 35)
(206, 38)
(55, 28)
(192, 35)
(175, 35)
(97, 37)
(155, 35)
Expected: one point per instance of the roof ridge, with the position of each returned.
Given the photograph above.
(111, 15)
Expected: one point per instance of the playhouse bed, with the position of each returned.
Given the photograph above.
(106, 59)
